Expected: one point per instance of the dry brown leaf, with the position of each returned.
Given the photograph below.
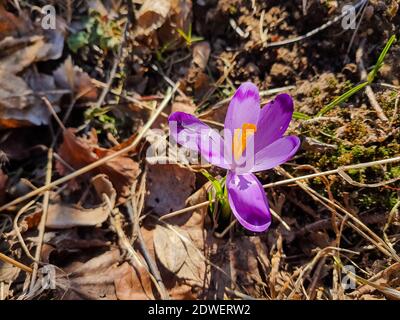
(71, 240)
(158, 22)
(169, 185)
(169, 247)
(103, 278)
(14, 100)
(11, 24)
(64, 216)
(8, 274)
(38, 50)
(180, 17)
(133, 283)
(201, 53)
(191, 281)
(243, 255)
(73, 78)
(79, 152)
(183, 105)
(20, 88)
(152, 15)
(95, 278)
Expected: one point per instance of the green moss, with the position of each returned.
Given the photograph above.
(315, 92)
(395, 172)
(393, 199)
(360, 151)
(367, 201)
(232, 10)
(333, 83)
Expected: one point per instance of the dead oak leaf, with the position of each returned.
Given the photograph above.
(79, 152)
(64, 216)
(133, 283)
(104, 278)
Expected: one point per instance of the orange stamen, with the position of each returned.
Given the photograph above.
(240, 138)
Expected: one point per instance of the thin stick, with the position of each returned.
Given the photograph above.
(99, 162)
(53, 112)
(16, 229)
(114, 68)
(291, 180)
(368, 90)
(42, 225)
(330, 205)
(133, 210)
(279, 218)
(315, 31)
(15, 263)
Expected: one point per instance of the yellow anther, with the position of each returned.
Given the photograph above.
(240, 138)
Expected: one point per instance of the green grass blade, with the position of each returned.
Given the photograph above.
(300, 116)
(342, 98)
(379, 63)
(371, 77)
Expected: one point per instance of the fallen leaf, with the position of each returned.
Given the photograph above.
(180, 17)
(15, 108)
(152, 15)
(11, 24)
(68, 76)
(8, 274)
(169, 247)
(158, 22)
(38, 48)
(201, 53)
(104, 278)
(133, 283)
(21, 88)
(191, 280)
(244, 253)
(94, 279)
(64, 216)
(169, 185)
(71, 240)
(183, 105)
(79, 152)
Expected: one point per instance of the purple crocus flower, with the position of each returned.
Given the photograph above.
(253, 141)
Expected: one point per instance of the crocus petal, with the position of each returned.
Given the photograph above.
(191, 133)
(273, 121)
(243, 108)
(248, 201)
(276, 153)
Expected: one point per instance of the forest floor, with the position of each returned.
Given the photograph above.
(86, 214)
